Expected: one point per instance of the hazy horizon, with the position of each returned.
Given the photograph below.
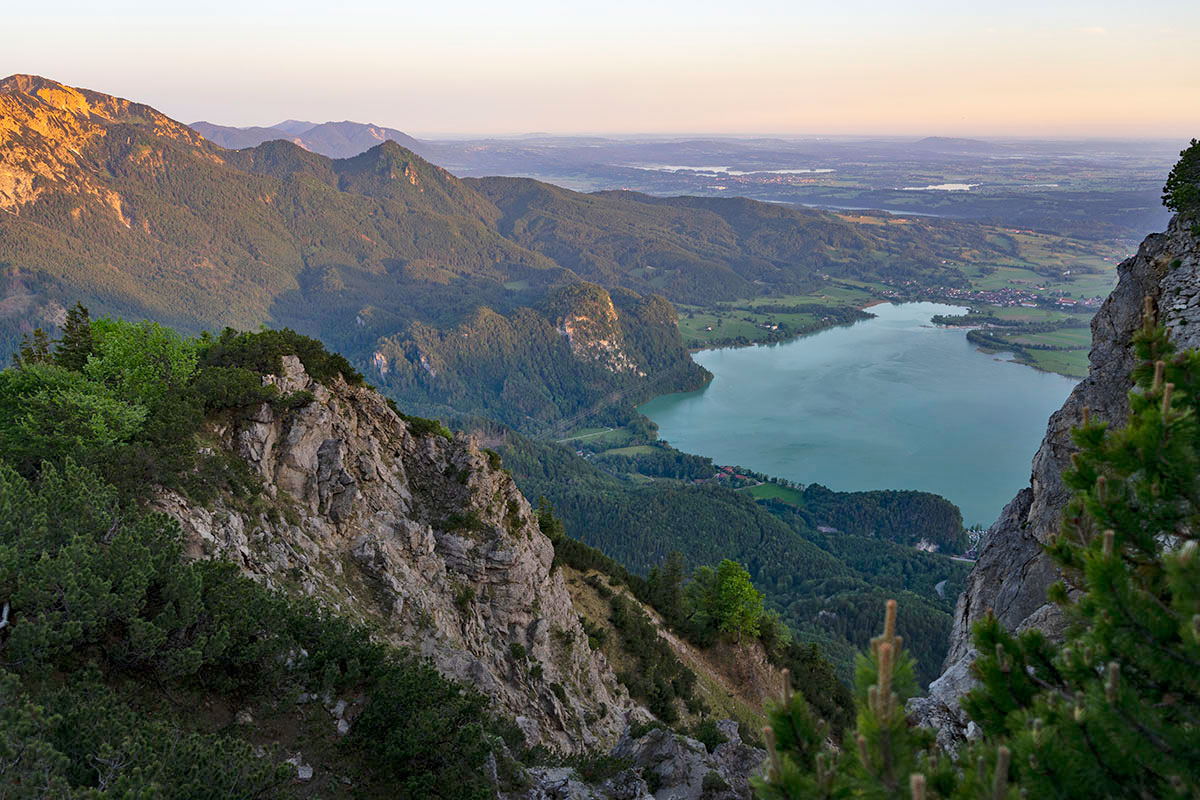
(765, 68)
(633, 135)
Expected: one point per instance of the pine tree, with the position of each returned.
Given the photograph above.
(1116, 711)
(665, 584)
(35, 349)
(800, 763)
(76, 343)
(880, 758)
(1182, 190)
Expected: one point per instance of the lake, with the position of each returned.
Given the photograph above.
(887, 403)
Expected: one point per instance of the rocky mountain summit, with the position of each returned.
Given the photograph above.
(423, 534)
(45, 125)
(1012, 573)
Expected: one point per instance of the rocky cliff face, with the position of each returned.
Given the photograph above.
(422, 534)
(1012, 573)
(585, 315)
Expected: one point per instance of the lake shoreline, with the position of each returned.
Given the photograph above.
(892, 403)
(793, 337)
(864, 307)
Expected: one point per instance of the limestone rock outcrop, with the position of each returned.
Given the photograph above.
(422, 534)
(1012, 573)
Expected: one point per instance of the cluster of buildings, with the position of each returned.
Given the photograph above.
(728, 476)
(1011, 296)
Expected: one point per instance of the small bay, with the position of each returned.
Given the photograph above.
(892, 402)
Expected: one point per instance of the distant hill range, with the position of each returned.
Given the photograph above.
(332, 139)
(950, 144)
(518, 299)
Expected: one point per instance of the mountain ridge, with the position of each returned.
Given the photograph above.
(344, 139)
(117, 205)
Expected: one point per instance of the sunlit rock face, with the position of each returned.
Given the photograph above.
(45, 126)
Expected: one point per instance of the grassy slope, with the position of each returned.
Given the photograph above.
(734, 682)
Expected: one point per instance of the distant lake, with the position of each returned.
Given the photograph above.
(887, 403)
(942, 187)
(722, 170)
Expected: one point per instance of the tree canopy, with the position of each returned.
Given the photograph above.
(1181, 193)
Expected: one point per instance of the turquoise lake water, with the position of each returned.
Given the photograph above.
(887, 403)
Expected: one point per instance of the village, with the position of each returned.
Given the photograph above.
(1010, 296)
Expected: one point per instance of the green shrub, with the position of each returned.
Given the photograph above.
(594, 767)
(639, 729)
(653, 780)
(460, 521)
(94, 740)
(707, 732)
(597, 635)
(420, 426)
(713, 782)
(597, 583)
(1181, 193)
(48, 413)
(426, 734)
(141, 362)
(659, 677)
(293, 401)
(263, 353)
(464, 595)
(231, 387)
(565, 638)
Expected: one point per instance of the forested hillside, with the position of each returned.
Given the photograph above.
(383, 255)
(699, 250)
(580, 353)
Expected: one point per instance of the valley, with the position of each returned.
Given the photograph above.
(577, 401)
(518, 308)
(746, 425)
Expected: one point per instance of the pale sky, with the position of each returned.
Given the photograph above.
(923, 67)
